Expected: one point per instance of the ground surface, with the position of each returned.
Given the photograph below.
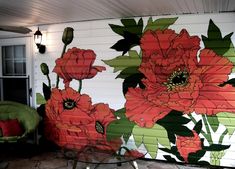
(28, 156)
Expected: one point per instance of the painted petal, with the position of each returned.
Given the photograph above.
(214, 68)
(142, 111)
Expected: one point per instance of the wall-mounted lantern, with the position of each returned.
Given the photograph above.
(38, 41)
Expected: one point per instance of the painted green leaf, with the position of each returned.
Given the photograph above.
(133, 81)
(215, 41)
(131, 33)
(123, 62)
(169, 158)
(198, 127)
(162, 23)
(46, 91)
(121, 127)
(174, 123)
(124, 45)
(213, 122)
(40, 99)
(129, 25)
(230, 81)
(230, 54)
(150, 137)
(216, 147)
(196, 156)
(228, 120)
(128, 71)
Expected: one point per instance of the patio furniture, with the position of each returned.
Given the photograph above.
(91, 155)
(25, 115)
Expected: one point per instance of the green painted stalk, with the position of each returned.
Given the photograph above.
(57, 77)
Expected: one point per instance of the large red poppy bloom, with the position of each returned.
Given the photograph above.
(177, 79)
(77, 64)
(96, 130)
(68, 104)
(66, 113)
(187, 145)
(73, 122)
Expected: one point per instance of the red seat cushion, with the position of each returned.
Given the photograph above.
(11, 127)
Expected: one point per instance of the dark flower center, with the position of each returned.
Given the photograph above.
(177, 78)
(99, 127)
(69, 104)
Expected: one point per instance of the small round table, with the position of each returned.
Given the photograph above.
(89, 155)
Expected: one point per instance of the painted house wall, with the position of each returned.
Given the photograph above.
(105, 88)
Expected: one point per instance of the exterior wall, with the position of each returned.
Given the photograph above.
(106, 88)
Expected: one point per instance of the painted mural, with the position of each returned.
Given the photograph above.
(179, 96)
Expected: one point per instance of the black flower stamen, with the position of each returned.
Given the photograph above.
(177, 78)
(99, 127)
(69, 104)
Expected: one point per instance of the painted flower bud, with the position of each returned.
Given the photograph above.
(44, 68)
(67, 37)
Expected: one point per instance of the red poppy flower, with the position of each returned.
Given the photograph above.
(177, 79)
(102, 115)
(187, 145)
(68, 104)
(133, 154)
(77, 64)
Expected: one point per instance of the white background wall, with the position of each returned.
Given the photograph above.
(98, 36)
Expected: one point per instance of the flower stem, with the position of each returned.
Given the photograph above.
(57, 77)
(80, 86)
(49, 81)
(222, 136)
(207, 129)
(207, 136)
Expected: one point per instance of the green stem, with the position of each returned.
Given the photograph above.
(202, 132)
(49, 80)
(80, 86)
(222, 136)
(207, 128)
(57, 77)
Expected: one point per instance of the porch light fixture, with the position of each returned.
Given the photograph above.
(38, 41)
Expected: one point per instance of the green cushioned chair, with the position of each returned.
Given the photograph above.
(27, 116)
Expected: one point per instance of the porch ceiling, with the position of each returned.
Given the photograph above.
(38, 12)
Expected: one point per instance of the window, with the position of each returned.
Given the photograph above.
(14, 82)
(13, 60)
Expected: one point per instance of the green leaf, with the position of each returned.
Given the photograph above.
(121, 127)
(169, 158)
(130, 40)
(213, 122)
(198, 127)
(228, 120)
(215, 41)
(174, 123)
(123, 62)
(128, 71)
(117, 29)
(46, 91)
(120, 113)
(216, 147)
(230, 82)
(133, 81)
(205, 163)
(195, 157)
(162, 23)
(150, 137)
(130, 31)
(40, 99)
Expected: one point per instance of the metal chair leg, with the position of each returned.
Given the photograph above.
(134, 164)
(75, 164)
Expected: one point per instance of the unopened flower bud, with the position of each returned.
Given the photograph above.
(44, 68)
(67, 37)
